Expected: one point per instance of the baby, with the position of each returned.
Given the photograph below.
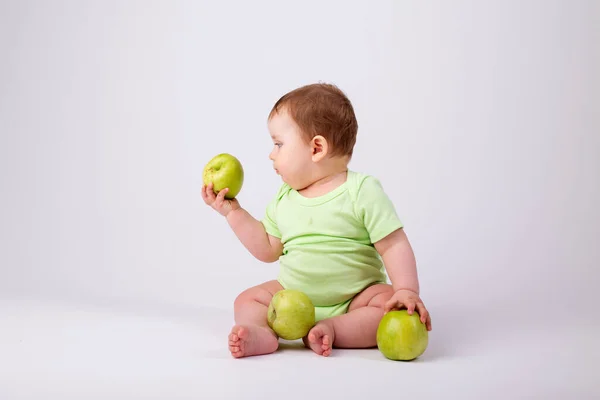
(334, 232)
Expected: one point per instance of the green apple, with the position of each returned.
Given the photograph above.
(224, 171)
(291, 314)
(401, 336)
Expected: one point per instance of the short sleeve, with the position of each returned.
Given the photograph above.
(270, 219)
(376, 210)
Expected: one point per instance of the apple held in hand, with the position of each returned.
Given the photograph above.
(401, 336)
(291, 314)
(224, 171)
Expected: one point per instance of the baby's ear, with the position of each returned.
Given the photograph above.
(319, 147)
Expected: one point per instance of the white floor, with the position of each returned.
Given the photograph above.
(54, 350)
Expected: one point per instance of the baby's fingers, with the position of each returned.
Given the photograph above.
(207, 194)
(388, 306)
(424, 315)
(210, 194)
(410, 307)
(221, 198)
(391, 304)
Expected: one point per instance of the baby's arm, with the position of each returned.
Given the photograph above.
(253, 236)
(249, 230)
(399, 260)
(401, 266)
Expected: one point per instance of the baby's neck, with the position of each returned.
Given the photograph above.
(326, 181)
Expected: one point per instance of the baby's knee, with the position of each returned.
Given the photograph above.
(381, 298)
(252, 295)
(243, 298)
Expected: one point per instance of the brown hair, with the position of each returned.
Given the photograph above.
(322, 109)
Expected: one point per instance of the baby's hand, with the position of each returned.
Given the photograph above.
(409, 300)
(218, 202)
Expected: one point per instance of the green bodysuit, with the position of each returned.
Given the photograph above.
(328, 250)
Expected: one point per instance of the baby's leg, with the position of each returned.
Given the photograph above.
(251, 334)
(355, 329)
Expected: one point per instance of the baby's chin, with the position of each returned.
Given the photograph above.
(290, 184)
(294, 184)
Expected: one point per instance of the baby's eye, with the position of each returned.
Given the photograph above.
(278, 144)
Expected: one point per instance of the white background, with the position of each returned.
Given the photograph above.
(481, 119)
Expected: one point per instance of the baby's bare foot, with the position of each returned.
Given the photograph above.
(251, 340)
(321, 337)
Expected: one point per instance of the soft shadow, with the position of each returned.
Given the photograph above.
(453, 332)
(295, 346)
(460, 331)
(457, 332)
